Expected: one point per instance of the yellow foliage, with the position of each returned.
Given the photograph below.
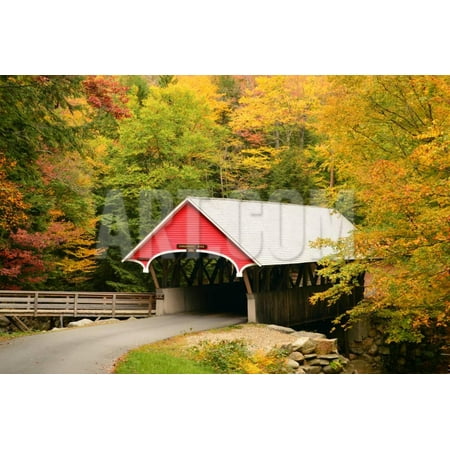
(205, 90)
(388, 137)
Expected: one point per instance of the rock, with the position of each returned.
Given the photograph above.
(106, 321)
(324, 362)
(132, 318)
(372, 332)
(56, 329)
(4, 322)
(80, 323)
(331, 356)
(373, 350)
(315, 362)
(312, 369)
(343, 360)
(281, 329)
(292, 364)
(330, 369)
(333, 368)
(356, 350)
(367, 342)
(384, 350)
(300, 370)
(309, 334)
(310, 356)
(304, 345)
(325, 346)
(366, 358)
(296, 356)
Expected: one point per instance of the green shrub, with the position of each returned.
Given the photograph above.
(223, 356)
(235, 357)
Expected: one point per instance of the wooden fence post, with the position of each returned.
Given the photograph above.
(113, 305)
(36, 297)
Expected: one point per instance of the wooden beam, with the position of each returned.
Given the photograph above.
(18, 323)
(183, 272)
(194, 272)
(247, 283)
(154, 277)
(113, 312)
(205, 270)
(36, 298)
(217, 266)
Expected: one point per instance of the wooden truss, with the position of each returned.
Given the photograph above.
(184, 269)
(199, 269)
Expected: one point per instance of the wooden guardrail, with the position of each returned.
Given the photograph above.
(77, 304)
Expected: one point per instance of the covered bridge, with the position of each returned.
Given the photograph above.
(248, 257)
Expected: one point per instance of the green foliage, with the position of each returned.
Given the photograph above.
(139, 84)
(166, 80)
(235, 357)
(223, 356)
(112, 274)
(337, 366)
(169, 144)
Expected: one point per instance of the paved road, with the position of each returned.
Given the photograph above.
(94, 349)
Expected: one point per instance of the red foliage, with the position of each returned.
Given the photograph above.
(25, 260)
(252, 137)
(108, 94)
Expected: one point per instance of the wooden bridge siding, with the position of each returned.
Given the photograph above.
(291, 307)
(77, 304)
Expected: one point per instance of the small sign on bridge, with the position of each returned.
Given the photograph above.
(192, 247)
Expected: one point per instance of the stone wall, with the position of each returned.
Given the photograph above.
(313, 353)
(366, 341)
(366, 352)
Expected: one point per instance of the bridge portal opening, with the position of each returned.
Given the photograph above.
(197, 281)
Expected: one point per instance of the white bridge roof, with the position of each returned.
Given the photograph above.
(275, 233)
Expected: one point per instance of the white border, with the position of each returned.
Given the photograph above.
(239, 272)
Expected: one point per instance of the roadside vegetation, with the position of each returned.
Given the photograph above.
(4, 335)
(174, 356)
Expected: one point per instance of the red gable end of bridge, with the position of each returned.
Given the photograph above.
(189, 228)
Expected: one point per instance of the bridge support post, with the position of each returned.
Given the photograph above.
(251, 308)
(159, 310)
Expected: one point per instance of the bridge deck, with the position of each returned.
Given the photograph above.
(77, 304)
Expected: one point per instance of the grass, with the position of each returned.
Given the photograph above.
(159, 362)
(4, 336)
(165, 357)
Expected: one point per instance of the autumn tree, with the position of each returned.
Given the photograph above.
(45, 184)
(390, 138)
(170, 144)
(272, 132)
